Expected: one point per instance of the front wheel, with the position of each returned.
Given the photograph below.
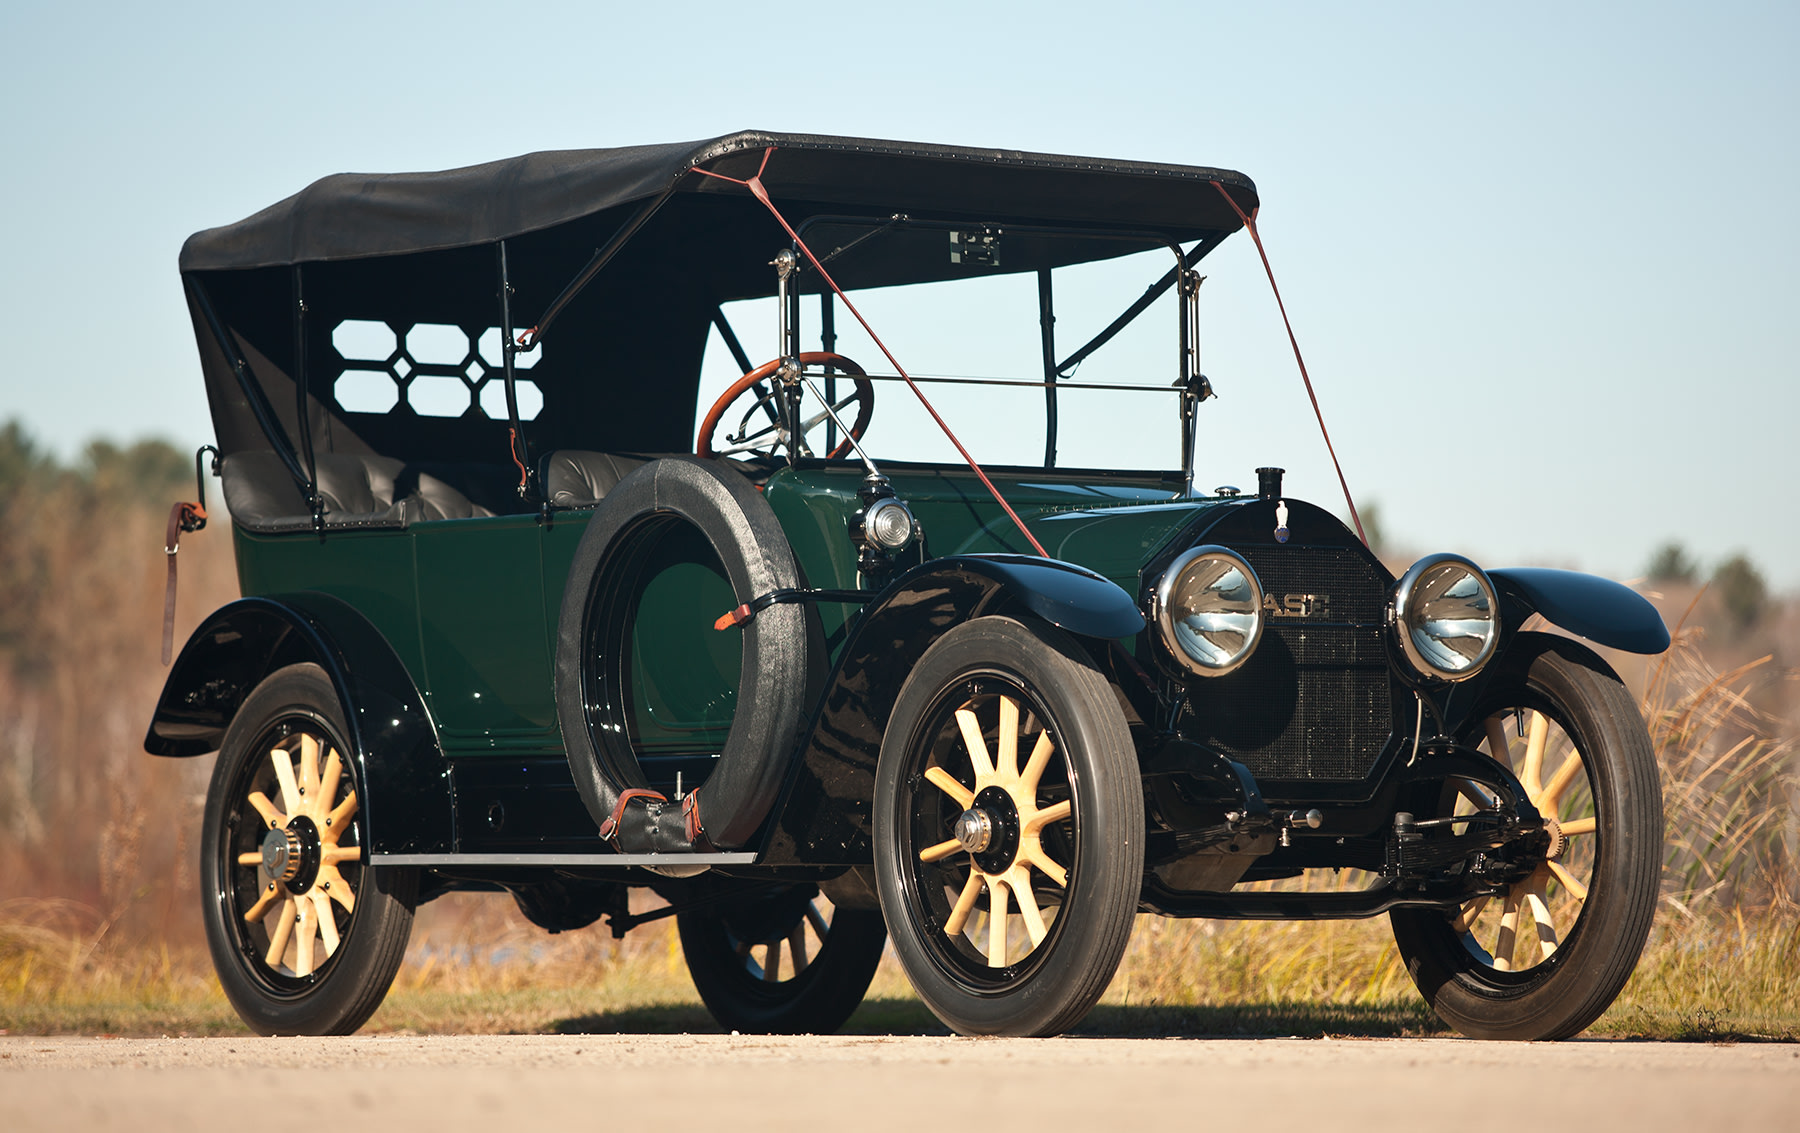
(305, 935)
(1009, 829)
(1547, 958)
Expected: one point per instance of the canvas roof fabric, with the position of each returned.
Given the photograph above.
(350, 216)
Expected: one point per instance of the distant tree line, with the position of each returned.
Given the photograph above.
(1740, 587)
(57, 517)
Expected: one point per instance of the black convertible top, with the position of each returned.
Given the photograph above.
(362, 315)
(354, 215)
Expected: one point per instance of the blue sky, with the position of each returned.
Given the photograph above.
(1543, 259)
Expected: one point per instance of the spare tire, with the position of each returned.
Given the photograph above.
(662, 545)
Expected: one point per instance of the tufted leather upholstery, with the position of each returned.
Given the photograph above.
(573, 478)
(357, 491)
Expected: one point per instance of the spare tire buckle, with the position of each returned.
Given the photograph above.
(610, 827)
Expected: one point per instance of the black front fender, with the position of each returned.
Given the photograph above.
(406, 790)
(824, 815)
(1598, 609)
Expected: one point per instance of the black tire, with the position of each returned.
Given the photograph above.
(978, 667)
(780, 657)
(840, 951)
(1490, 982)
(297, 992)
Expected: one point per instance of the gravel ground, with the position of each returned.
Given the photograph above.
(744, 1083)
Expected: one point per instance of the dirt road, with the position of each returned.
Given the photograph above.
(741, 1084)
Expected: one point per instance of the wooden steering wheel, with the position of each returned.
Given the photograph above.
(774, 435)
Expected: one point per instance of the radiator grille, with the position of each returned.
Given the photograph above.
(1315, 702)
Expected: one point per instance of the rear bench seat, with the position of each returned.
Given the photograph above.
(357, 491)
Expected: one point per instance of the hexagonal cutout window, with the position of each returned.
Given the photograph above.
(363, 340)
(437, 344)
(489, 348)
(433, 396)
(493, 398)
(366, 391)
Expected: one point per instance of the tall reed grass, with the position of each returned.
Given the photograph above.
(99, 924)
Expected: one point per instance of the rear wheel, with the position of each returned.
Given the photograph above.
(1009, 829)
(782, 963)
(1547, 958)
(305, 936)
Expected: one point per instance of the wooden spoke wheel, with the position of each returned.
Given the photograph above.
(304, 935)
(759, 405)
(1544, 959)
(781, 963)
(1009, 829)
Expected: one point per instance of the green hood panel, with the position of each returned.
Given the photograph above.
(1111, 523)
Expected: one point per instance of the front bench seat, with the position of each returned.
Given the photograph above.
(575, 478)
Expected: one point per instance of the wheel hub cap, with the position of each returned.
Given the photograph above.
(281, 854)
(291, 853)
(975, 830)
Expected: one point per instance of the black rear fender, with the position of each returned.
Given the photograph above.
(406, 789)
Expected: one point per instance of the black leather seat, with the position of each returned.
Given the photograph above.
(357, 491)
(574, 478)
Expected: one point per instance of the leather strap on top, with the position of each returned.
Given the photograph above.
(690, 821)
(611, 825)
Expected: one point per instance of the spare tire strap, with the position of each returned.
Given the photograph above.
(641, 830)
(610, 827)
(750, 609)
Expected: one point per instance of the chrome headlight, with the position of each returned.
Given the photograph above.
(889, 524)
(1208, 608)
(1447, 617)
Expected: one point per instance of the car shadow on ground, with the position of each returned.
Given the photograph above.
(908, 1016)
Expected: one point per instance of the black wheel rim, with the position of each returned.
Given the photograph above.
(950, 897)
(1520, 938)
(776, 941)
(326, 838)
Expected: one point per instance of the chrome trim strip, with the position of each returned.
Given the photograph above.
(651, 860)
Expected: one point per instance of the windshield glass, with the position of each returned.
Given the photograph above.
(974, 340)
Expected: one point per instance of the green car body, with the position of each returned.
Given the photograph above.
(567, 648)
(470, 605)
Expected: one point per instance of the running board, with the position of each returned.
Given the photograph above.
(653, 861)
(1327, 905)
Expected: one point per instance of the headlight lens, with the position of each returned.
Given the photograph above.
(889, 524)
(1209, 610)
(1447, 617)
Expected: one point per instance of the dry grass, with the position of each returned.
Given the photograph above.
(99, 925)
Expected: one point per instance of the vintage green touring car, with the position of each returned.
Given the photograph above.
(512, 622)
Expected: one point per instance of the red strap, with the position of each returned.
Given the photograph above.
(182, 517)
(512, 448)
(755, 185)
(690, 821)
(611, 825)
(1250, 227)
